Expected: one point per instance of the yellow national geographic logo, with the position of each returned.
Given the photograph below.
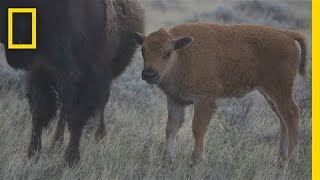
(33, 12)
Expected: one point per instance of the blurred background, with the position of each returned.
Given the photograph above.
(242, 141)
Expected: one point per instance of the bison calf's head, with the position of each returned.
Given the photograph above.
(159, 51)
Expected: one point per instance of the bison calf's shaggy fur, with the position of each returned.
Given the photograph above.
(82, 46)
(200, 63)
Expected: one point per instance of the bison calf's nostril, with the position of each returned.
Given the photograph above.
(147, 74)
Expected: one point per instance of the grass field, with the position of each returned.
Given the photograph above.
(242, 141)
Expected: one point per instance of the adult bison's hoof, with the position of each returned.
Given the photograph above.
(33, 155)
(99, 134)
(33, 150)
(72, 157)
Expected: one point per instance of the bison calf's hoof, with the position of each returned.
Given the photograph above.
(72, 157)
(166, 162)
(196, 158)
(294, 157)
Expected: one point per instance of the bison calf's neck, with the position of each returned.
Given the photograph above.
(199, 63)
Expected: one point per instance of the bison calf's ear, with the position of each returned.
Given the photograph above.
(182, 42)
(139, 37)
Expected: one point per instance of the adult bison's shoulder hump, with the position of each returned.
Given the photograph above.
(123, 19)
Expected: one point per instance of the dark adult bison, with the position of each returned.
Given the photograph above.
(81, 46)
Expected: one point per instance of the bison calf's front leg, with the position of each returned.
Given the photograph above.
(202, 114)
(174, 122)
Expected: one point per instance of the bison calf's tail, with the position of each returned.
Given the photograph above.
(298, 37)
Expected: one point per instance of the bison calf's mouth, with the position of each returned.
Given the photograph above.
(150, 76)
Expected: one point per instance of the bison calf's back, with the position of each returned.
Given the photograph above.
(199, 63)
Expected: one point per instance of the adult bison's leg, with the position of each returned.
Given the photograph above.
(59, 133)
(105, 79)
(174, 122)
(67, 91)
(203, 111)
(75, 126)
(43, 106)
(101, 130)
(92, 89)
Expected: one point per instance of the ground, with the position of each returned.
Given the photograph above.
(242, 141)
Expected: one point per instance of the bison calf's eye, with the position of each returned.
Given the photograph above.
(167, 55)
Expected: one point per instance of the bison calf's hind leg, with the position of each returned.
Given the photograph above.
(174, 122)
(203, 111)
(283, 144)
(43, 107)
(289, 111)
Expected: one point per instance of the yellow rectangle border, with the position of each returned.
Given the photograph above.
(315, 91)
(33, 12)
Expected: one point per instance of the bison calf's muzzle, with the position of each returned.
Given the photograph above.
(151, 76)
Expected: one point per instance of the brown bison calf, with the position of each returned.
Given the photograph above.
(200, 63)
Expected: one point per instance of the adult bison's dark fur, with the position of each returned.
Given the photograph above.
(82, 46)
